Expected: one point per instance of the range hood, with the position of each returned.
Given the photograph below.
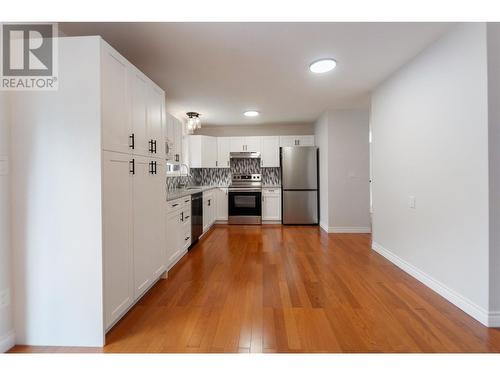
(244, 155)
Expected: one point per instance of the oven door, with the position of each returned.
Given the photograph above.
(245, 206)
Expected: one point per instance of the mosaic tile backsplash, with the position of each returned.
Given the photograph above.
(222, 176)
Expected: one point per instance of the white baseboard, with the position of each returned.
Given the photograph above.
(323, 226)
(463, 303)
(349, 230)
(7, 341)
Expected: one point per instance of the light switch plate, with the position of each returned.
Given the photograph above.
(411, 201)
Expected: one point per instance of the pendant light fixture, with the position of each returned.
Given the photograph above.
(193, 122)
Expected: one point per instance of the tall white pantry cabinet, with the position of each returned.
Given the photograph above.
(89, 196)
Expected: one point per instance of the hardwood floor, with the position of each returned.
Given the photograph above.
(291, 289)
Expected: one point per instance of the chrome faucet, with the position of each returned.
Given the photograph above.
(188, 171)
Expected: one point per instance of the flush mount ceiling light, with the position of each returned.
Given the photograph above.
(193, 122)
(251, 113)
(322, 66)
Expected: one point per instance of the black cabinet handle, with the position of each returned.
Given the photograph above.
(154, 167)
(176, 157)
(187, 238)
(132, 166)
(150, 149)
(182, 216)
(175, 205)
(154, 143)
(132, 139)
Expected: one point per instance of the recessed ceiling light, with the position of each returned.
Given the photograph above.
(322, 66)
(251, 113)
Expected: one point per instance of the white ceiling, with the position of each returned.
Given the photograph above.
(223, 69)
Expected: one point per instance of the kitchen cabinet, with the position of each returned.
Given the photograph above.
(223, 150)
(178, 229)
(270, 151)
(245, 144)
(222, 204)
(202, 151)
(173, 129)
(209, 209)
(113, 214)
(117, 239)
(271, 204)
(296, 140)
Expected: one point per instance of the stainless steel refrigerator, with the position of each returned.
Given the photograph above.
(299, 185)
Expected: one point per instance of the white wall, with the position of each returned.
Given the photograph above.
(494, 167)
(56, 145)
(342, 138)
(321, 136)
(429, 126)
(6, 323)
(349, 171)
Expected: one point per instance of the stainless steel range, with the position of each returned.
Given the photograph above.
(245, 199)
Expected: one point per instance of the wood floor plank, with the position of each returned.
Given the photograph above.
(268, 289)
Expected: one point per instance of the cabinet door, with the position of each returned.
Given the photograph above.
(270, 152)
(213, 207)
(237, 144)
(139, 92)
(206, 213)
(144, 243)
(212, 147)
(271, 204)
(177, 140)
(252, 144)
(288, 141)
(173, 245)
(222, 204)
(117, 236)
(156, 98)
(223, 149)
(157, 205)
(116, 125)
(305, 140)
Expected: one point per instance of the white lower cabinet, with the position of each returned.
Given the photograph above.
(222, 204)
(271, 204)
(117, 239)
(209, 209)
(178, 229)
(133, 235)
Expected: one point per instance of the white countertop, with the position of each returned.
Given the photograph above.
(180, 193)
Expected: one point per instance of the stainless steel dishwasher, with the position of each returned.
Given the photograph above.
(196, 217)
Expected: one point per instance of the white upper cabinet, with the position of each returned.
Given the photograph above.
(202, 151)
(252, 144)
(223, 149)
(117, 129)
(154, 124)
(270, 151)
(139, 100)
(244, 144)
(296, 140)
(237, 144)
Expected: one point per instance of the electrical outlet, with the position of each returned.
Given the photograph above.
(4, 298)
(411, 201)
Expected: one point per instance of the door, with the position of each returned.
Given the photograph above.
(299, 168)
(173, 245)
(144, 243)
(223, 149)
(270, 152)
(117, 236)
(139, 104)
(300, 207)
(154, 121)
(116, 127)
(237, 144)
(222, 204)
(157, 204)
(271, 204)
(252, 144)
(245, 203)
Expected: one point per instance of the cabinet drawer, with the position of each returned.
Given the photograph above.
(175, 205)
